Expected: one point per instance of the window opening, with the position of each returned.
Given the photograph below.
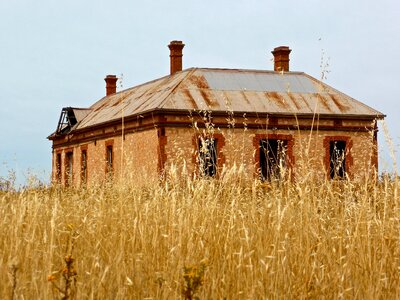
(68, 168)
(208, 156)
(109, 160)
(273, 159)
(84, 166)
(337, 153)
(58, 168)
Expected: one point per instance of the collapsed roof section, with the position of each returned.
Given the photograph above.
(69, 118)
(222, 90)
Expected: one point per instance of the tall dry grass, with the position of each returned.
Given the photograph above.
(256, 241)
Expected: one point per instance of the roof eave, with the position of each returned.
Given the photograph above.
(379, 116)
(53, 136)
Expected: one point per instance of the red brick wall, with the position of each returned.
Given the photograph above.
(307, 151)
(134, 157)
(145, 154)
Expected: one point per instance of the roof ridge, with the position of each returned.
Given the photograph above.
(135, 87)
(190, 72)
(165, 79)
(152, 81)
(252, 70)
(80, 108)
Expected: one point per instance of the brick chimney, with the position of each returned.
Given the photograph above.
(281, 58)
(175, 55)
(111, 84)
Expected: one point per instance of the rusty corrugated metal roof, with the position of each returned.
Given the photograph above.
(229, 90)
(80, 113)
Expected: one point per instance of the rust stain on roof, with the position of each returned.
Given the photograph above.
(190, 98)
(199, 81)
(245, 97)
(207, 97)
(342, 107)
(121, 97)
(103, 104)
(274, 96)
(143, 104)
(294, 100)
(305, 102)
(141, 95)
(323, 101)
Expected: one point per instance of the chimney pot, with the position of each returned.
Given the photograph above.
(111, 84)
(175, 48)
(281, 58)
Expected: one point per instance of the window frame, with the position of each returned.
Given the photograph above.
(208, 145)
(271, 165)
(290, 160)
(220, 157)
(69, 167)
(348, 158)
(58, 162)
(84, 165)
(109, 165)
(337, 154)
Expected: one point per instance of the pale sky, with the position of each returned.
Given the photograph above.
(55, 54)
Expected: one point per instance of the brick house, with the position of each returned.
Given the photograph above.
(274, 123)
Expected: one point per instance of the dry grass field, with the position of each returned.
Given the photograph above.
(231, 238)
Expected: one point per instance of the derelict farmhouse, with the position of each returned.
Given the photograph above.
(275, 124)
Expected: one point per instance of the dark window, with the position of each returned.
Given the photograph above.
(337, 153)
(69, 168)
(109, 160)
(58, 168)
(84, 166)
(208, 156)
(272, 159)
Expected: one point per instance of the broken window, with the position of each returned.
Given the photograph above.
(109, 158)
(58, 168)
(84, 166)
(337, 154)
(208, 157)
(273, 159)
(69, 168)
